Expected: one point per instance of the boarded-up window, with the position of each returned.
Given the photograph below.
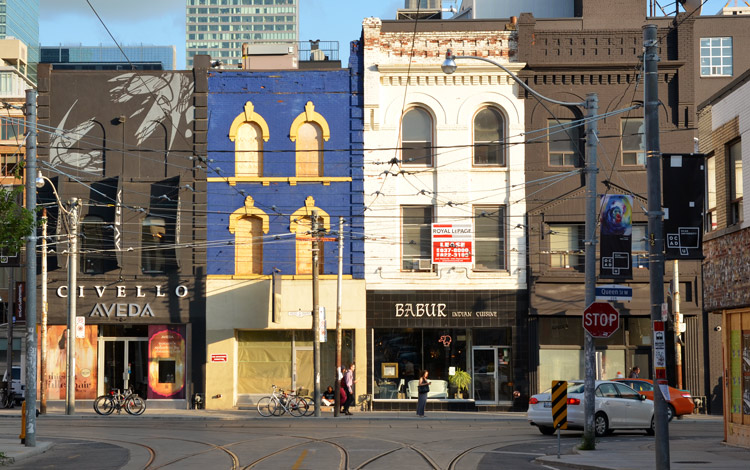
(248, 246)
(304, 246)
(309, 150)
(264, 358)
(248, 148)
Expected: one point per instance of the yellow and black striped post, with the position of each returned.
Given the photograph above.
(559, 401)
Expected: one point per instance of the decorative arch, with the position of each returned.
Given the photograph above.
(306, 211)
(393, 111)
(251, 117)
(310, 115)
(249, 210)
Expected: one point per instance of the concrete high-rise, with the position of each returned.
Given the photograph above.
(20, 20)
(220, 27)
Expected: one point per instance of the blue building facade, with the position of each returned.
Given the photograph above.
(281, 145)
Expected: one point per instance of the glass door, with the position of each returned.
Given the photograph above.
(484, 360)
(112, 372)
(123, 363)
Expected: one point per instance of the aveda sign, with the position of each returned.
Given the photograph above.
(128, 307)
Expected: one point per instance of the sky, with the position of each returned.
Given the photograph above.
(162, 22)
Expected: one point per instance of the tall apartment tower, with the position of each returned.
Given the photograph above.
(20, 20)
(220, 27)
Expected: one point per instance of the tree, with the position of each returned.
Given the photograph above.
(16, 222)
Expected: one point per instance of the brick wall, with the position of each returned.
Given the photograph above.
(726, 271)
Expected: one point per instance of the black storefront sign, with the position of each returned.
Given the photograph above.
(683, 179)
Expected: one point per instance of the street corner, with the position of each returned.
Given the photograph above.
(12, 451)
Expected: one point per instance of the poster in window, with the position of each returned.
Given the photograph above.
(615, 220)
(166, 362)
(683, 179)
(746, 372)
(57, 359)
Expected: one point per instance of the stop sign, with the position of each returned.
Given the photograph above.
(601, 320)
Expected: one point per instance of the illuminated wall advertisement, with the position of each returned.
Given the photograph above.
(86, 363)
(166, 362)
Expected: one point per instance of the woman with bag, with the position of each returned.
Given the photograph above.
(423, 388)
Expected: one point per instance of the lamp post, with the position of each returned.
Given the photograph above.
(31, 339)
(72, 215)
(591, 105)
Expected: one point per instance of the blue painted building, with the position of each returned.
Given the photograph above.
(281, 145)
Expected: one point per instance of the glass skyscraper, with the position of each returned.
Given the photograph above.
(19, 19)
(92, 55)
(220, 27)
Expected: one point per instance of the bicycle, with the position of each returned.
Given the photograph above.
(8, 398)
(278, 404)
(117, 400)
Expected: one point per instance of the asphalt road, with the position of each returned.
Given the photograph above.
(459, 442)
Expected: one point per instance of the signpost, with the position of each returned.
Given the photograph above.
(601, 320)
(612, 293)
(660, 359)
(559, 399)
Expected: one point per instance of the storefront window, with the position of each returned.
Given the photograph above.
(400, 354)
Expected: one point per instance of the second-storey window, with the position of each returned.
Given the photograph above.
(153, 234)
(734, 159)
(566, 246)
(416, 226)
(710, 222)
(489, 238)
(97, 255)
(563, 143)
(633, 148)
(489, 130)
(416, 138)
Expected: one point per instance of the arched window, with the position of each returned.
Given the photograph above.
(416, 138)
(248, 246)
(489, 137)
(300, 224)
(248, 148)
(96, 246)
(153, 256)
(309, 150)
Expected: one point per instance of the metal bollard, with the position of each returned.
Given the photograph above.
(23, 423)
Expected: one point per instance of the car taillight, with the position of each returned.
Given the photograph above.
(533, 401)
(574, 401)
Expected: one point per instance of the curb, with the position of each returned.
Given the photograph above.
(19, 452)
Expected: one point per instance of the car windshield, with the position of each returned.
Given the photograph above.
(575, 388)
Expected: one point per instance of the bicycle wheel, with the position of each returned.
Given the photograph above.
(310, 410)
(266, 406)
(104, 405)
(298, 406)
(135, 405)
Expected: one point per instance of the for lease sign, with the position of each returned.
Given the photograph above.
(452, 243)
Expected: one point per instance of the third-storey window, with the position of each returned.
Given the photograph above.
(416, 138)
(489, 136)
(633, 148)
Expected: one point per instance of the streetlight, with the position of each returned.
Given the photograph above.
(70, 374)
(591, 105)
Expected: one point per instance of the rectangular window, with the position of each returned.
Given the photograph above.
(563, 142)
(12, 128)
(566, 246)
(639, 245)
(489, 238)
(416, 227)
(734, 159)
(710, 222)
(633, 147)
(716, 57)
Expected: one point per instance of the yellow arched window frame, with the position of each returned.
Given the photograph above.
(248, 210)
(250, 116)
(306, 211)
(310, 115)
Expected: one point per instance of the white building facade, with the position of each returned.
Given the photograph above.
(449, 150)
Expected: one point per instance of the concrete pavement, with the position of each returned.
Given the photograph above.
(612, 453)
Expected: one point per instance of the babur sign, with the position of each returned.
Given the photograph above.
(120, 301)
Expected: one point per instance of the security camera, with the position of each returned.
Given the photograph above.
(717, 328)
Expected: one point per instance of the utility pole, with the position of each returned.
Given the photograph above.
(10, 314)
(592, 140)
(339, 286)
(70, 376)
(43, 341)
(31, 338)
(315, 312)
(677, 323)
(655, 221)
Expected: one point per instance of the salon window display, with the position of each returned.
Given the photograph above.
(400, 354)
(166, 361)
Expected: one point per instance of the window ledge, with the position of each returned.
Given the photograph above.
(268, 276)
(292, 180)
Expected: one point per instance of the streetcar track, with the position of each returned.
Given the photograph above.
(232, 455)
(344, 465)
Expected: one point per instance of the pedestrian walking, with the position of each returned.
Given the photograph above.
(349, 382)
(423, 388)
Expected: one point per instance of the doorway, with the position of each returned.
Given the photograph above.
(123, 364)
(493, 380)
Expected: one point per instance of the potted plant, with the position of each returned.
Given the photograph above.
(461, 380)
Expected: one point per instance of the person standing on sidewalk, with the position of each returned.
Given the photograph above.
(424, 389)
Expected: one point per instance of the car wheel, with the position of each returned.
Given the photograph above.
(547, 430)
(652, 430)
(670, 413)
(601, 424)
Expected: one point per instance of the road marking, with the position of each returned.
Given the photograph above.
(509, 452)
(299, 460)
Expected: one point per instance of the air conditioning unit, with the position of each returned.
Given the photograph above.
(425, 265)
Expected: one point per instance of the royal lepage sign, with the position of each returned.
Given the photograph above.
(452, 243)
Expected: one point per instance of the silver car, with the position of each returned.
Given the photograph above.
(617, 406)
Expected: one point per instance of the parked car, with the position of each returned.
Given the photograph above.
(617, 407)
(680, 401)
(16, 386)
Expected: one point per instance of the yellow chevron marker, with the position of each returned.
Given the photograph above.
(559, 398)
